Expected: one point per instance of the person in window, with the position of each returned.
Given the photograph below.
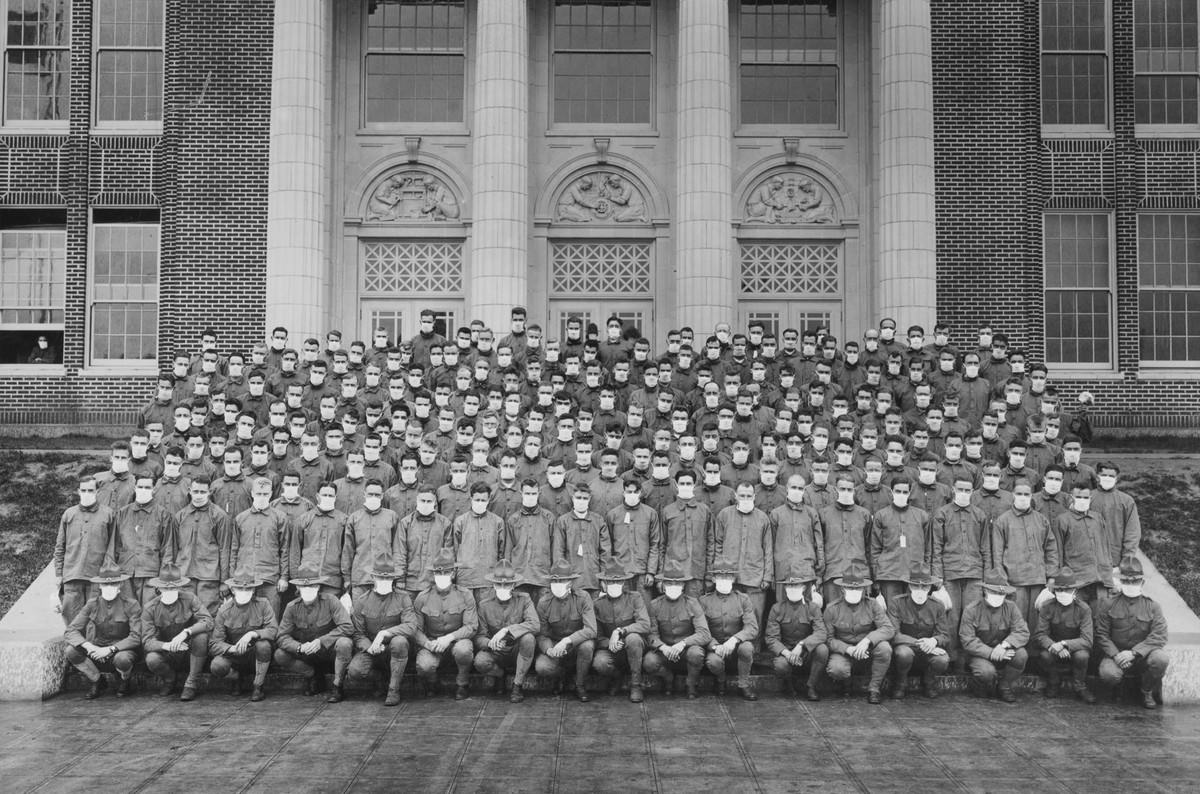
(43, 352)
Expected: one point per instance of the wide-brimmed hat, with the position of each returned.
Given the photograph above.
(673, 572)
(614, 572)
(307, 577)
(503, 573)
(171, 578)
(1065, 579)
(562, 571)
(109, 576)
(1130, 568)
(996, 580)
(857, 576)
(723, 567)
(794, 577)
(921, 576)
(384, 567)
(244, 578)
(444, 561)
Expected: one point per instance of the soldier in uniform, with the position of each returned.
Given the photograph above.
(568, 631)
(795, 630)
(104, 636)
(314, 636)
(384, 621)
(1064, 637)
(732, 624)
(922, 640)
(84, 536)
(622, 623)
(446, 621)
(1131, 633)
(859, 632)
(508, 626)
(175, 628)
(994, 635)
(243, 635)
(678, 631)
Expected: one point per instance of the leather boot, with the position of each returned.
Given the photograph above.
(517, 695)
(1084, 694)
(195, 668)
(1053, 680)
(98, 686)
(462, 692)
(167, 688)
(393, 687)
(747, 690)
(1007, 695)
(337, 693)
(900, 689)
(260, 678)
(1148, 700)
(235, 684)
(929, 684)
(125, 686)
(581, 690)
(873, 697)
(811, 694)
(719, 686)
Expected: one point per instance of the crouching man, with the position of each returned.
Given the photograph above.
(678, 632)
(622, 623)
(1132, 633)
(384, 621)
(104, 636)
(859, 633)
(175, 631)
(994, 636)
(795, 633)
(314, 636)
(507, 635)
(244, 635)
(568, 632)
(1064, 637)
(922, 633)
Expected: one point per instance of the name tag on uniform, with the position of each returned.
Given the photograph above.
(627, 519)
(580, 551)
(903, 542)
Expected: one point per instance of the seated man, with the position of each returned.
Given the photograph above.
(1131, 633)
(568, 630)
(175, 629)
(104, 636)
(795, 632)
(314, 636)
(507, 635)
(446, 621)
(859, 633)
(922, 632)
(678, 632)
(993, 636)
(243, 635)
(383, 621)
(1064, 637)
(732, 626)
(622, 623)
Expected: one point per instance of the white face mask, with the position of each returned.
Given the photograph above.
(927, 477)
(560, 589)
(168, 597)
(1064, 597)
(242, 597)
(745, 505)
(504, 593)
(308, 593)
(794, 593)
(685, 492)
(1052, 487)
(962, 499)
(1081, 505)
(87, 499)
(383, 586)
(673, 591)
(261, 501)
(441, 581)
(143, 496)
(372, 503)
(993, 600)
(1070, 457)
(109, 592)
(478, 508)
(1022, 501)
(614, 589)
(426, 509)
(853, 596)
(900, 499)
(1107, 482)
(919, 595)
(724, 585)
(845, 498)
(120, 466)
(1131, 589)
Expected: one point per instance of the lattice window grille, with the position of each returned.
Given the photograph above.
(618, 268)
(791, 268)
(413, 267)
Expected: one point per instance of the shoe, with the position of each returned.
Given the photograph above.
(462, 693)
(125, 687)
(336, 694)
(1084, 694)
(719, 687)
(257, 694)
(582, 693)
(557, 691)
(1157, 693)
(873, 697)
(235, 686)
(811, 694)
(899, 691)
(930, 691)
(692, 694)
(168, 688)
(98, 686)
(517, 695)
(635, 694)
(1148, 699)
(188, 694)
(1051, 690)
(614, 688)
(748, 693)
(1007, 695)
(393, 698)
(787, 687)
(316, 684)
(433, 688)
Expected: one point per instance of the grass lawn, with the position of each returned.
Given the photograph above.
(1168, 497)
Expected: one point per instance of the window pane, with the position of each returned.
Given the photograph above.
(124, 291)
(37, 83)
(124, 331)
(1166, 60)
(1078, 312)
(38, 23)
(601, 87)
(788, 31)
(129, 85)
(33, 266)
(415, 88)
(1074, 89)
(1077, 251)
(1169, 278)
(789, 94)
(1073, 25)
(129, 23)
(602, 25)
(416, 26)
(1077, 326)
(1169, 326)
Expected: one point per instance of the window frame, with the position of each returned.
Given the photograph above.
(1076, 368)
(367, 127)
(58, 328)
(1080, 130)
(1161, 365)
(650, 127)
(1160, 129)
(124, 126)
(116, 365)
(741, 128)
(34, 125)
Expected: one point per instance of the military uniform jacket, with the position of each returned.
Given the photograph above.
(367, 536)
(527, 539)
(518, 614)
(799, 541)
(325, 619)
(451, 614)
(584, 543)
(983, 628)
(422, 537)
(789, 623)
(848, 624)
(897, 541)
(84, 537)
(688, 535)
(573, 617)
(161, 623)
(144, 538)
(1071, 625)
(315, 542)
(914, 621)
(1084, 542)
(478, 546)
(1131, 624)
(233, 620)
(1122, 524)
(729, 617)
(745, 538)
(845, 529)
(107, 624)
(627, 614)
(636, 537)
(1025, 547)
(260, 543)
(962, 546)
(392, 614)
(681, 620)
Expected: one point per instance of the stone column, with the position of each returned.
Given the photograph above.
(296, 223)
(908, 233)
(705, 269)
(499, 174)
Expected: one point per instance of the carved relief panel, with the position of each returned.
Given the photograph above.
(411, 195)
(789, 198)
(601, 197)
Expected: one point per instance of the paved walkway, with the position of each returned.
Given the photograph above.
(297, 744)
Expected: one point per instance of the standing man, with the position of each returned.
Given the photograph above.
(580, 539)
(922, 633)
(85, 533)
(962, 550)
(478, 536)
(103, 636)
(622, 625)
(243, 635)
(994, 635)
(528, 540)
(506, 638)
(144, 539)
(1132, 633)
(688, 536)
(314, 636)
(204, 546)
(175, 628)
(446, 621)
(383, 623)
(898, 540)
(568, 630)
(678, 631)
(637, 540)
(744, 539)
(370, 532)
(260, 543)
(859, 632)
(1026, 549)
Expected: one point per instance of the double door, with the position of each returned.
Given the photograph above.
(638, 314)
(402, 318)
(803, 315)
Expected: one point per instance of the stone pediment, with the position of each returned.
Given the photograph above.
(602, 196)
(789, 198)
(410, 195)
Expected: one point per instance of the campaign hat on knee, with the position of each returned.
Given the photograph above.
(996, 580)
(384, 567)
(723, 567)
(1130, 568)
(171, 578)
(1065, 579)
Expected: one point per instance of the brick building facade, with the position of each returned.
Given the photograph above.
(171, 165)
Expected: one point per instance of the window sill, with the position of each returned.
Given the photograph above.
(774, 131)
(110, 371)
(1058, 373)
(1166, 133)
(407, 130)
(112, 131)
(1083, 134)
(1166, 373)
(602, 131)
(34, 129)
(32, 370)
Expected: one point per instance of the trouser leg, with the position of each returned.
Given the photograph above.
(1013, 668)
(694, 659)
(300, 664)
(75, 594)
(1079, 667)
(983, 671)
(197, 655)
(881, 660)
(463, 653)
(526, 648)
(635, 650)
(583, 661)
(83, 663)
(903, 657)
(745, 659)
(263, 650)
(1154, 668)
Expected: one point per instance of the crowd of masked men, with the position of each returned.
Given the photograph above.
(591, 512)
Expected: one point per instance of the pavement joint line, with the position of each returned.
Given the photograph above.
(75, 762)
(916, 739)
(212, 732)
(832, 747)
(295, 730)
(462, 757)
(375, 744)
(737, 741)
(1004, 741)
(562, 714)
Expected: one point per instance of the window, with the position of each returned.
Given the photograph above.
(1165, 62)
(37, 60)
(123, 293)
(1079, 300)
(33, 279)
(1169, 289)
(1075, 63)
(129, 61)
(789, 62)
(603, 61)
(415, 63)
